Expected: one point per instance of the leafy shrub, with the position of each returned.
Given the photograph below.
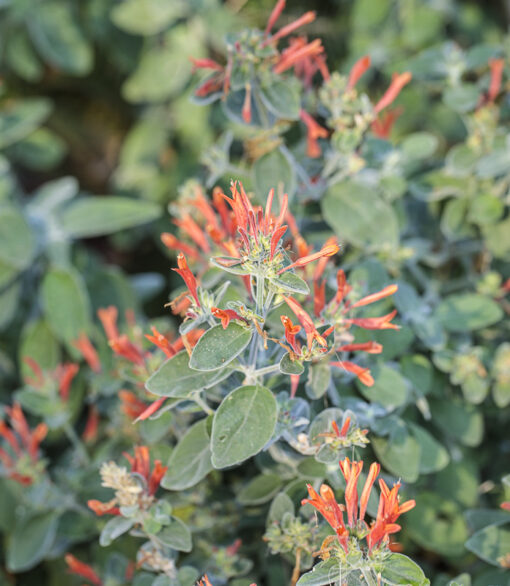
(345, 302)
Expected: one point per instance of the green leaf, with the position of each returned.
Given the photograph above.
(9, 303)
(495, 164)
(65, 303)
(480, 518)
(419, 145)
(389, 388)
(19, 118)
(260, 489)
(437, 525)
(58, 38)
(359, 216)
(39, 343)
(462, 98)
(190, 461)
(434, 456)
(323, 574)
(146, 17)
(288, 366)
(164, 68)
(176, 535)
(319, 377)
(468, 311)
(400, 454)
(399, 569)
(218, 346)
(36, 402)
(17, 244)
(459, 420)
(282, 99)
(97, 216)
(497, 239)
(242, 425)
(30, 541)
(291, 282)
(282, 504)
(273, 170)
(174, 378)
(114, 529)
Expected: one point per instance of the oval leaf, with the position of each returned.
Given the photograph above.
(97, 216)
(242, 425)
(218, 346)
(174, 378)
(191, 459)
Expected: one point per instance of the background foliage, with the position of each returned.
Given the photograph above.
(99, 132)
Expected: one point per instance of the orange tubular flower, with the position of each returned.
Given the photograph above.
(362, 373)
(326, 251)
(140, 464)
(108, 317)
(343, 288)
(358, 69)
(376, 323)
(82, 569)
(289, 28)
(314, 132)
(173, 243)
(382, 125)
(505, 506)
(65, 374)
(90, 432)
(150, 410)
(496, 66)
(101, 509)
(397, 83)
(319, 297)
(293, 55)
(188, 225)
(21, 441)
(36, 369)
(290, 333)
(161, 342)
(327, 506)
(307, 323)
(226, 315)
(187, 276)
(388, 512)
(125, 348)
(386, 292)
(205, 64)
(274, 16)
(131, 405)
(369, 347)
(87, 350)
(351, 472)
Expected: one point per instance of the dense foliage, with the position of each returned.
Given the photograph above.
(323, 395)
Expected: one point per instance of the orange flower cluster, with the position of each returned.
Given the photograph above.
(141, 466)
(389, 510)
(21, 456)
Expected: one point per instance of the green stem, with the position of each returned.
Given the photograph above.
(73, 437)
(367, 574)
(202, 404)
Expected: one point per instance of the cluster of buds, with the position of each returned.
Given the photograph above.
(134, 488)
(140, 360)
(256, 243)
(20, 456)
(347, 545)
(345, 437)
(254, 56)
(351, 113)
(59, 380)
